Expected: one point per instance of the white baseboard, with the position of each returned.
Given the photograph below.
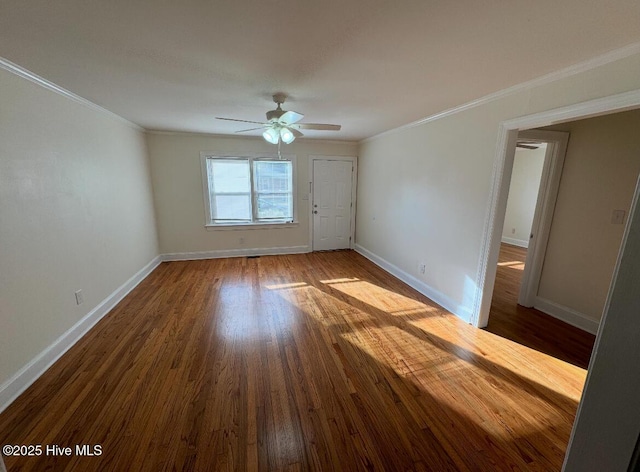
(18, 383)
(566, 314)
(515, 242)
(440, 298)
(264, 251)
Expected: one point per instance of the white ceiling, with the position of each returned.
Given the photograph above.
(370, 65)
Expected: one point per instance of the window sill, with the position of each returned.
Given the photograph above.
(249, 226)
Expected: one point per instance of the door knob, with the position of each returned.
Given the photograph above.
(315, 212)
(315, 206)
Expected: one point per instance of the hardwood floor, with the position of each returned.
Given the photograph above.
(529, 326)
(317, 361)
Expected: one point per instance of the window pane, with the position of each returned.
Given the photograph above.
(232, 207)
(229, 176)
(275, 206)
(273, 176)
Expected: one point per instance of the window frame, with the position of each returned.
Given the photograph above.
(255, 223)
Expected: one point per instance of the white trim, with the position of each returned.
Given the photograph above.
(557, 142)
(253, 226)
(36, 79)
(435, 295)
(492, 232)
(354, 193)
(251, 157)
(19, 382)
(304, 139)
(599, 106)
(222, 253)
(566, 314)
(590, 64)
(494, 216)
(516, 242)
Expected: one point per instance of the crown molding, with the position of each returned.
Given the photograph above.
(574, 69)
(36, 79)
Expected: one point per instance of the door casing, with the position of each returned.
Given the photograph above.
(546, 201)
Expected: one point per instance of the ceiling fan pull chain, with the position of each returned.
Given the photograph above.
(279, 144)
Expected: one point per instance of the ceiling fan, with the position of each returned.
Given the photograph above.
(281, 125)
(527, 145)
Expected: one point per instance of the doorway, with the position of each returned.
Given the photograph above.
(570, 275)
(605, 407)
(523, 208)
(333, 192)
(537, 158)
(508, 133)
(533, 190)
(522, 203)
(528, 163)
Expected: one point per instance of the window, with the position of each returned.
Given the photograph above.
(248, 190)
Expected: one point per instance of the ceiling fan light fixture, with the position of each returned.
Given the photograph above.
(282, 126)
(271, 135)
(287, 136)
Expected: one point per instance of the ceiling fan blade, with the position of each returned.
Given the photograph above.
(241, 121)
(251, 129)
(290, 117)
(526, 146)
(318, 126)
(296, 133)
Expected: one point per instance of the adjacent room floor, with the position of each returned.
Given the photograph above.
(317, 361)
(529, 326)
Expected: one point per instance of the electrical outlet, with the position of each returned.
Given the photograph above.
(241, 240)
(513, 231)
(79, 297)
(422, 268)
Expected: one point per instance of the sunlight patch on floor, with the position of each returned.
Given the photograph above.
(415, 360)
(390, 302)
(285, 286)
(531, 364)
(339, 281)
(440, 344)
(412, 311)
(519, 265)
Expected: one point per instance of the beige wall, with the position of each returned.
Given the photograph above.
(607, 424)
(76, 212)
(523, 195)
(179, 200)
(424, 191)
(600, 171)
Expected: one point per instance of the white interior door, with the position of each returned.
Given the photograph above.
(331, 204)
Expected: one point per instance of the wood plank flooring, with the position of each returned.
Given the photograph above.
(529, 326)
(317, 361)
